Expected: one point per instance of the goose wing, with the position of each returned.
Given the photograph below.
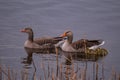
(85, 42)
(46, 40)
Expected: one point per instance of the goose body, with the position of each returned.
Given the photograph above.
(39, 43)
(29, 44)
(69, 46)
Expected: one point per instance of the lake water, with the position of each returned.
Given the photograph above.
(92, 19)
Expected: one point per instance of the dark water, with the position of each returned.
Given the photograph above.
(92, 19)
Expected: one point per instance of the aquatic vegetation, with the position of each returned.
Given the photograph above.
(61, 71)
(65, 72)
(98, 51)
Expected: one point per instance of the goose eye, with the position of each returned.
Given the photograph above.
(67, 32)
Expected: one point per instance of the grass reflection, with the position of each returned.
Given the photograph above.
(68, 70)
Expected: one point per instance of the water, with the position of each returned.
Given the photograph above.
(92, 19)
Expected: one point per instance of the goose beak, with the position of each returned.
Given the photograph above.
(63, 35)
(23, 30)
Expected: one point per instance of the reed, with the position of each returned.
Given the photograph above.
(0, 74)
(65, 72)
(97, 71)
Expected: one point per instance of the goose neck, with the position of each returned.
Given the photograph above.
(70, 38)
(30, 36)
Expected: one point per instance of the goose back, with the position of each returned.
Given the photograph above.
(85, 43)
(45, 40)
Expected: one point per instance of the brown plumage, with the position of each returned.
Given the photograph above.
(46, 40)
(70, 46)
(39, 42)
(85, 42)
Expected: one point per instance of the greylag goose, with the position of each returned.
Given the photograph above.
(39, 42)
(69, 46)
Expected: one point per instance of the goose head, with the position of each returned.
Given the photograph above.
(29, 31)
(69, 35)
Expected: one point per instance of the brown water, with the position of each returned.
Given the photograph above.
(90, 19)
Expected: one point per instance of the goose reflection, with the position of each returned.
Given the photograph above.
(70, 71)
(91, 55)
(30, 51)
(69, 58)
(28, 60)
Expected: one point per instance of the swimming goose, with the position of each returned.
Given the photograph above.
(38, 42)
(69, 46)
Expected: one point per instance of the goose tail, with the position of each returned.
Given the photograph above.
(102, 42)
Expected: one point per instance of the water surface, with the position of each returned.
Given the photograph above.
(86, 18)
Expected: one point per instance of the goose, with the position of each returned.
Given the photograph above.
(69, 46)
(39, 42)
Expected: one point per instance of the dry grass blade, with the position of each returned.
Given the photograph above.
(96, 71)
(4, 72)
(53, 76)
(0, 73)
(56, 49)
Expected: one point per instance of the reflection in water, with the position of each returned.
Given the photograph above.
(70, 72)
(92, 55)
(97, 54)
(28, 59)
(66, 71)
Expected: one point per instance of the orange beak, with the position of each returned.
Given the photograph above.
(63, 35)
(23, 30)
